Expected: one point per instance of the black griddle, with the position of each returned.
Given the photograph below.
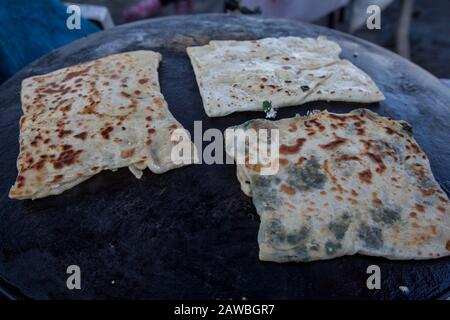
(191, 233)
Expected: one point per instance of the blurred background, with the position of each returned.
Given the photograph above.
(416, 29)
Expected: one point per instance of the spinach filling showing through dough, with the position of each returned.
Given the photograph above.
(307, 176)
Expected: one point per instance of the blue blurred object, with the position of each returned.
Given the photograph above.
(30, 29)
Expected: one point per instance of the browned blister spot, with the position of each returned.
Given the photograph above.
(292, 127)
(81, 136)
(378, 160)
(420, 208)
(20, 181)
(62, 133)
(365, 176)
(427, 192)
(315, 123)
(105, 132)
(292, 149)
(67, 158)
(329, 173)
(127, 153)
(346, 157)
(75, 74)
(58, 178)
(377, 202)
(158, 102)
(338, 117)
(333, 144)
(391, 131)
(286, 189)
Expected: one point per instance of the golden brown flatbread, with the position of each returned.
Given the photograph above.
(100, 115)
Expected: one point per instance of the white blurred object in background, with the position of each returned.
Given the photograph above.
(304, 10)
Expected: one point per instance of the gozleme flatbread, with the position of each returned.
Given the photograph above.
(240, 75)
(347, 183)
(100, 115)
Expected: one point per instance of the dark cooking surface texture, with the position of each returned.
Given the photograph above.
(191, 233)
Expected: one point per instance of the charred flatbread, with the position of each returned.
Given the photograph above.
(240, 75)
(100, 115)
(347, 183)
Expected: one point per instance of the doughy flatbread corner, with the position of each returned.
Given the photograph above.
(239, 75)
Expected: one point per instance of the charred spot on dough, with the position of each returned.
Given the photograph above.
(406, 128)
(340, 226)
(371, 236)
(62, 133)
(67, 158)
(378, 160)
(127, 153)
(307, 176)
(292, 149)
(391, 131)
(143, 81)
(286, 189)
(106, 131)
(334, 144)
(420, 207)
(347, 157)
(332, 247)
(20, 181)
(447, 245)
(75, 74)
(365, 176)
(81, 135)
(58, 178)
(420, 174)
(304, 88)
(388, 216)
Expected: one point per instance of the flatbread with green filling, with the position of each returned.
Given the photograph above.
(347, 183)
